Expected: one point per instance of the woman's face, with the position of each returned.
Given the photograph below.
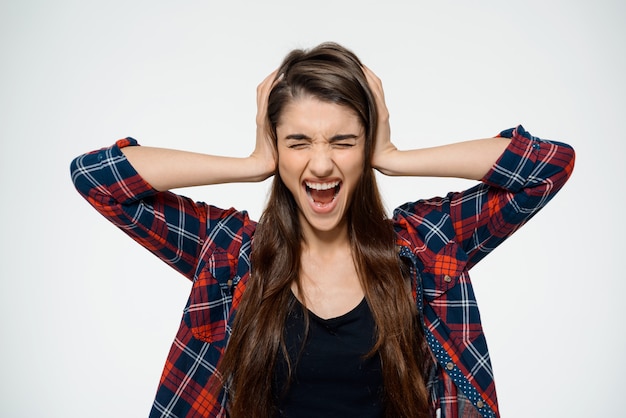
(320, 160)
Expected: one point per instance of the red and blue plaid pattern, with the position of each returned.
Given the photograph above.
(441, 238)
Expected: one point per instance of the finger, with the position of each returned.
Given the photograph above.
(372, 78)
(262, 94)
(376, 85)
(268, 82)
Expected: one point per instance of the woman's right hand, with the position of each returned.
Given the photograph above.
(168, 169)
(264, 155)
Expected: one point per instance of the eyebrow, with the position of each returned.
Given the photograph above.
(335, 138)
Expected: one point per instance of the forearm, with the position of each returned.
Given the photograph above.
(469, 159)
(167, 169)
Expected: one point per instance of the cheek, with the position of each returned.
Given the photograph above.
(282, 162)
(288, 170)
(355, 165)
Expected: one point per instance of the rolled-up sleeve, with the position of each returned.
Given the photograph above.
(170, 226)
(523, 180)
(106, 176)
(540, 166)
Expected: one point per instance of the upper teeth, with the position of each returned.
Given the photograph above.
(322, 186)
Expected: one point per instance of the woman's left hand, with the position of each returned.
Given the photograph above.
(468, 159)
(384, 149)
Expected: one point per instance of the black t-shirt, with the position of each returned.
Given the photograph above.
(331, 376)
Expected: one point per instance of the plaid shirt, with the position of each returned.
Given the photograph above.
(441, 238)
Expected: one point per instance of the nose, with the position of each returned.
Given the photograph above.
(321, 162)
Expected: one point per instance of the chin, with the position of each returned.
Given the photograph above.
(330, 224)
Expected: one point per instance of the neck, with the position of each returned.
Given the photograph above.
(325, 242)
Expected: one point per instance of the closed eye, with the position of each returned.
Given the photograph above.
(297, 144)
(297, 141)
(344, 141)
(344, 144)
(300, 141)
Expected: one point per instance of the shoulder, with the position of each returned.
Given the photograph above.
(228, 227)
(425, 223)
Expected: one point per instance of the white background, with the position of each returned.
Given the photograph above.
(87, 316)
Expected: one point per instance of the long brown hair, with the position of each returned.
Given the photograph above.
(331, 73)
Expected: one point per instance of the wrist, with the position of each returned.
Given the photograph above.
(258, 168)
(383, 161)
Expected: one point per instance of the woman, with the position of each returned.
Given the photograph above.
(326, 307)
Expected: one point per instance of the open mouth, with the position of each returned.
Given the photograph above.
(322, 193)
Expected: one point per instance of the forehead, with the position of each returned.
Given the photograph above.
(312, 114)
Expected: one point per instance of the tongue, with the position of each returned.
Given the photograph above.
(323, 196)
